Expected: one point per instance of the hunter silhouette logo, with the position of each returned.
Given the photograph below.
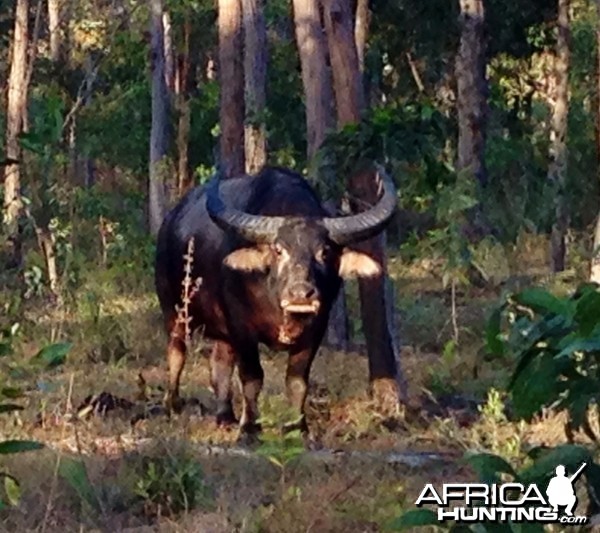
(561, 492)
(502, 502)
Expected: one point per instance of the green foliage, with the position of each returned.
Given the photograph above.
(171, 484)
(281, 451)
(10, 372)
(74, 472)
(555, 342)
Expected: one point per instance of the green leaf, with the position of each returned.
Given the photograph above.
(415, 518)
(54, 354)
(9, 407)
(12, 489)
(579, 345)
(488, 466)
(11, 392)
(18, 446)
(75, 474)
(542, 301)
(587, 313)
(543, 468)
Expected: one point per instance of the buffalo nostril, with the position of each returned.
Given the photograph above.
(309, 293)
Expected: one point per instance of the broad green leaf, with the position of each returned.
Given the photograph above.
(543, 468)
(12, 490)
(542, 301)
(9, 407)
(75, 473)
(54, 354)
(535, 385)
(414, 518)
(488, 466)
(579, 345)
(17, 446)
(587, 312)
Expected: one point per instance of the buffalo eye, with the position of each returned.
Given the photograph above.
(278, 248)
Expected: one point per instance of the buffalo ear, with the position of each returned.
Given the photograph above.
(358, 265)
(256, 259)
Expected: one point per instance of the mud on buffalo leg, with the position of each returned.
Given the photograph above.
(176, 351)
(296, 382)
(251, 376)
(222, 361)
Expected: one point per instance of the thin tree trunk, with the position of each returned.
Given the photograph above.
(557, 168)
(595, 262)
(16, 109)
(378, 325)
(471, 103)
(315, 74)
(183, 87)
(89, 169)
(54, 29)
(361, 31)
(159, 128)
(255, 77)
(169, 57)
(472, 91)
(231, 78)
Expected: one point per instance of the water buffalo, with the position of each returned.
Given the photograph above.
(271, 261)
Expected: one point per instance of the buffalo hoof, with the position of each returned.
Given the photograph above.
(173, 404)
(226, 419)
(249, 435)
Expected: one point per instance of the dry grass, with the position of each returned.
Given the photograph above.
(117, 335)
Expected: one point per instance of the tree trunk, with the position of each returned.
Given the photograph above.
(472, 91)
(377, 323)
(160, 117)
(255, 77)
(595, 262)
(16, 109)
(557, 168)
(54, 29)
(231, 82)
(361, 31)
(168, 46)
(184, 84)
(315, 74)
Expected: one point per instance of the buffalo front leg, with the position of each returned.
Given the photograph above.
(251, 377)
(176, 351)
(222, 362)
(296, 382)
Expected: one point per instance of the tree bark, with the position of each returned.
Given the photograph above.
(54, 29)
(169, 54)
(315, 74)
(160, 117)
(184, 84)
(472, 91)
(16, 109)
(231, 81)
(375, 310)
(557, 168)
(471, 103)
(361, 31)
(255, 77)
(595, 261)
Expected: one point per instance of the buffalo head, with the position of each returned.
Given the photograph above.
(302, 253)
